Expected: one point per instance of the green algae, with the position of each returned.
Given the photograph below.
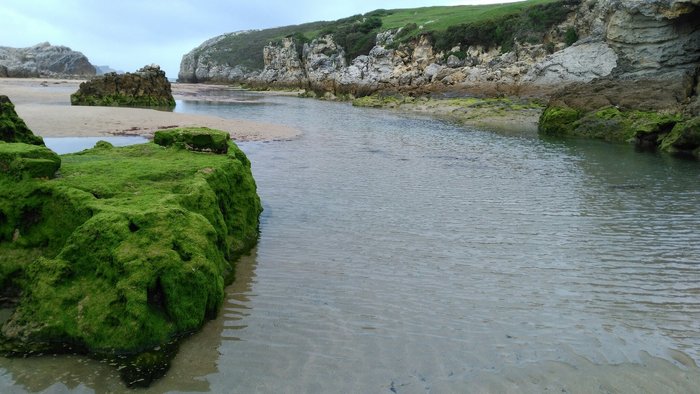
(558, 120)
(200, 139)
(684, 138)
(20, 160)
(608, 123)
(128, 250)
(12, 127)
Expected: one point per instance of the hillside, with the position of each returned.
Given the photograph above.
(357, 33)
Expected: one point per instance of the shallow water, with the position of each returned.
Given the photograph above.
(408, 255)
(62, 145)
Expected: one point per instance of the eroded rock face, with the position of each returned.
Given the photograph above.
(148, 87)
(652, 93)
(44, 60)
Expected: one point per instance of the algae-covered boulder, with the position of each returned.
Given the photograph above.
(129, 250)
(684, 138)
(148, 87)
(19, 160)
(200, 139)
(12, 127)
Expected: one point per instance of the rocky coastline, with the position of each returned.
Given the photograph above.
(634, 66)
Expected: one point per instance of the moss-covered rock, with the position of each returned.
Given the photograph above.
(148, 87)
(12, 127)
(201, 139)
(127, 251)
(558, 120)
(19, 160)
(683, 138)
(608, 123)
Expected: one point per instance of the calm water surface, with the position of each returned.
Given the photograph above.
(403, 254)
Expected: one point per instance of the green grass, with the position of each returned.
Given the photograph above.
(440, 18)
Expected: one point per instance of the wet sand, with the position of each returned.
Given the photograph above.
(44, 104)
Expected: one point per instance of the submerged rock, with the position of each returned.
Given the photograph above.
(148, 87)
(126, 252)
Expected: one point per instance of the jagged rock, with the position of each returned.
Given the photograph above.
(148, 87)
(43, 60)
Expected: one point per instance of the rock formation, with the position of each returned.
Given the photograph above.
(148, 87)
(632, 75)
(651, 96)
(126, 252)
(44, 60)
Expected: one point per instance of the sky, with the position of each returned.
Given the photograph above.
(128, 34)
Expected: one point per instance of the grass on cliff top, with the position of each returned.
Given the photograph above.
(441, 17)
(247, 49)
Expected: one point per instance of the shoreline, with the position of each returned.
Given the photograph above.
(44, 104)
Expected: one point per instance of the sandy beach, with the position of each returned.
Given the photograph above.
(44, 104)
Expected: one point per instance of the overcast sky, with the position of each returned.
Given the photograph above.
(128, 34)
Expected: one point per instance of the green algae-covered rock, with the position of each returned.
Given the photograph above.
(148, 87)
(608, 123)
(19, 160)
(12, 127)
(200, 139)
(126, 252)
(683, 138)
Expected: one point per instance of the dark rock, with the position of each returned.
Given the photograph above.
(148, 87)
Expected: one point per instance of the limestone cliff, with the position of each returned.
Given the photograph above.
(632, 55)
(650, 97)
(43, 60)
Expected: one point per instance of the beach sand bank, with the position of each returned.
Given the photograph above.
(44, 104)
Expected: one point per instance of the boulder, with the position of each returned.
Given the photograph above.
(148, 87)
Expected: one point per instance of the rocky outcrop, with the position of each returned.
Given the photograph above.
(210, 63)
(650, 98)
(125, 253)
(148, 87)
(44, 60)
